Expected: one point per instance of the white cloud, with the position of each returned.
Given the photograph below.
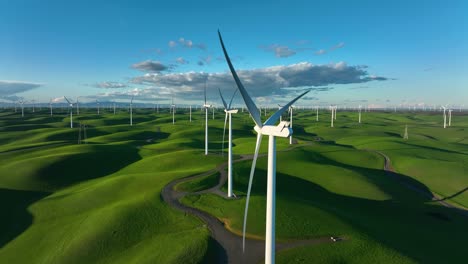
(110, 85)
(172, 44)
(279, 50)
(181, 60)
(263, 82)
(320, 52)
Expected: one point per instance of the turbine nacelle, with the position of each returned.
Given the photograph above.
(207, 105)
(232, 111)
(281, 130)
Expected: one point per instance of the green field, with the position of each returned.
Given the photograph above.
(100, 202)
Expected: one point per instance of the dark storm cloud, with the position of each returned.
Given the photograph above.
(150, 66)
(8, 88)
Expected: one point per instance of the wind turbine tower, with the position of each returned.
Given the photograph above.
(445, 117)
(190, 113)
(359, 114)
(405, 137)
(22, 108)
(71, 111)
(50, 106)
(131, 111)
(450, 117)
(206, 106)
(173, 110)
(229, 111)
(317, 110)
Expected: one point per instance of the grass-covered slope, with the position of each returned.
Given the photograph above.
(101, 202)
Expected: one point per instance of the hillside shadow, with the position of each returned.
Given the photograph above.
(14, 215)
(415, 228)
(101, 161)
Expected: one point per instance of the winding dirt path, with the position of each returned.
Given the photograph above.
(229, 245)
(388, 168)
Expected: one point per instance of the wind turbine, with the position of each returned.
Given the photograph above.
(445, 117)
(206, 106)
(33, 104)
(131, 111)
(190, 113)
(317, 109)
(405, 136)
(229, 111)
(333, 109)
(450, 117)
(359, 114)
(71, 111)
(290, 110)
(97, 102)
(173, 110)
(50, 106)
(22, 107)
(114, 107)
(268, 128)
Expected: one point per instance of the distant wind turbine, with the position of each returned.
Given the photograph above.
(317, 108)
(173, 110)
(131, 111)
(268, 128)
(450, 117)
(229, 111)
(206, 106)
(50, 106)
(71, 111)
(359, 114)
(190, 113)
(445, 117)
(405, 137)
(97, 102)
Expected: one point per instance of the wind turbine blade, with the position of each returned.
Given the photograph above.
(232, 98)
(253, 109)
(131, 101)
(252, 170)
(275, 117)
(67, 100)
(224, 131)
(222, 98)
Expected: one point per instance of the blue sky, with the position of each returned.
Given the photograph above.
(349, 52)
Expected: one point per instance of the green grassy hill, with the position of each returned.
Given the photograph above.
(100, 202)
